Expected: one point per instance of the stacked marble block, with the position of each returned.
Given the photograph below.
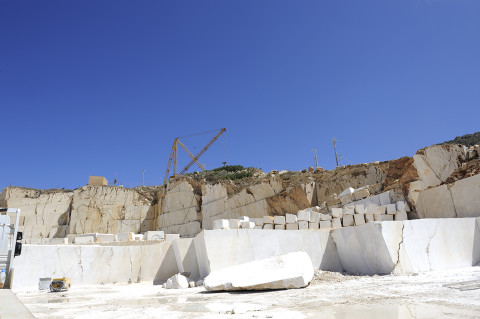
(304, 219)
(311, 219)
(97, 238)
(360, 214)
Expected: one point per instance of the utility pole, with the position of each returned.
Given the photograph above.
(143, 177)
(316, 162)
(115, 180)
(335, 148)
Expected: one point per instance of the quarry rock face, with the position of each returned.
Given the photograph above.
(43, 214)
(252, 201)
(458, 199)
(405, 247)
(186, 205)
(109, 210)
(179, 210)
(293, 270)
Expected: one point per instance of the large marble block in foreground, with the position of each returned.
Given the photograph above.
(409, 246)
(94, 264)
(293, 270)
(218, 249)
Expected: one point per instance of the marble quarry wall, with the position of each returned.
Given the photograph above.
(412, 246)
(399, 247)
(43, 214)
(187, 206)
(94, 264)
(217, 249)
(458, 199)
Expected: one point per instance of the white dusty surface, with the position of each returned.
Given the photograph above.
(331, 295)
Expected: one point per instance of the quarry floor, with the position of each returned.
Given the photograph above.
(330, 295)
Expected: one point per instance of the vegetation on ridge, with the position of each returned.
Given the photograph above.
(467, 139)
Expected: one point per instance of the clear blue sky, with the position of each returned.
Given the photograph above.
(98, 87)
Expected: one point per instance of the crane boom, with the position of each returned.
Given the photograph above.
(202, 167)
(223, 130)
(174, 151)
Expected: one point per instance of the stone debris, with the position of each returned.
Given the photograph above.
(289, 271)
(177, 281)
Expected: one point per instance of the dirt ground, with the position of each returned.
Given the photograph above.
(330, 295)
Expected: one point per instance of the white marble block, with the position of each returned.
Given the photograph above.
(244, 219)
(391, 209)
(80, 240)
(267, 226)
(302, 224)
(359, 219)
(369, 218)
(58, 241)
(348, 210)
(347, 220)
(381, 210)
(221, 224)
(313, 225)
(336, 222)
(293, 270)
(171, 237)
(325, 224)
(372, 209)
(361, 194)
(291, 219)
(268, 220)
(347, 199)
(281, 227)
(124, 236)
(279, 220)
(387, 217)
(105, 238)
(234, 223)
(346, 192)
(401, 216)
(247, 225)
(157, 234)
(258, 221)
(314, 217)
(337, 212)
(325, 217)
(303, 215)
(140, 236)
(258, 227)
(402, 206)
(293, 226)
(377, 217)
(359, 209)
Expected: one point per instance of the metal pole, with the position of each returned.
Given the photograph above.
(335, 148)
(316, 162)
(143, 177)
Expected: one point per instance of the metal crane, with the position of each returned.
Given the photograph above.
(194, 158)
